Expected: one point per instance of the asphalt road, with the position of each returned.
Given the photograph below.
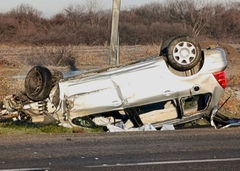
(195, 149)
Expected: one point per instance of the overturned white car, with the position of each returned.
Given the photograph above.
(182, 84)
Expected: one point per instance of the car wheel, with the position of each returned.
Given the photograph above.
(164, 47)
(183, 53)
(38, 83)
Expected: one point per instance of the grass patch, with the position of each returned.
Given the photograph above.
(18, 127)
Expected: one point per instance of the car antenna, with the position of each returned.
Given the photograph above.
(224, 102)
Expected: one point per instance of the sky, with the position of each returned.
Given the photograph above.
(51, 7)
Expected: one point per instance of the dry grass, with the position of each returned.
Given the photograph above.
(10, 85)
(63, 55)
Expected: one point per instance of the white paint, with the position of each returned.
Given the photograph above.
(166, 162)
(25, 169)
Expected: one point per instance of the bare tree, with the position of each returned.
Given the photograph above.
(149, 13)
(25, 11)
(194, 14)
(74, 12)
(89, 23)
(94, 6)
(94, 10)
(28, 23)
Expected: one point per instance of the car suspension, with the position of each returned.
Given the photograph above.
(42, 107)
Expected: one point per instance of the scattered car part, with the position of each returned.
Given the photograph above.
(56, 76)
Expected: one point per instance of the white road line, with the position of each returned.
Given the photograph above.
(166, 162)
(26, 169)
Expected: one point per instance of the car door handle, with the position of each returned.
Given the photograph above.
(168, 93)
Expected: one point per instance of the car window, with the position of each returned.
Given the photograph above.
(158, 112)
(195, 103)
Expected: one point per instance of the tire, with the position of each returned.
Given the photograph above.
(183, 53)
(164, 47)
(38, 83)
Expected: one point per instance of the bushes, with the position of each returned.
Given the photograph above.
(147, 24)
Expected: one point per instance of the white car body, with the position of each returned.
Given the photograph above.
(182, 84)
(138, 84)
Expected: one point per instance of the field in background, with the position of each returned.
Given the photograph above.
(17, 61)
(63, 56)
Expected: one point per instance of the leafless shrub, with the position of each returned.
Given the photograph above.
(52, 56)
(9, 85)
(90, 24)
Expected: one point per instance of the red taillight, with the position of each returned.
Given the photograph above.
(221, 78)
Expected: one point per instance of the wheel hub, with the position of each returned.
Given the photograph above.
(184, 53)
